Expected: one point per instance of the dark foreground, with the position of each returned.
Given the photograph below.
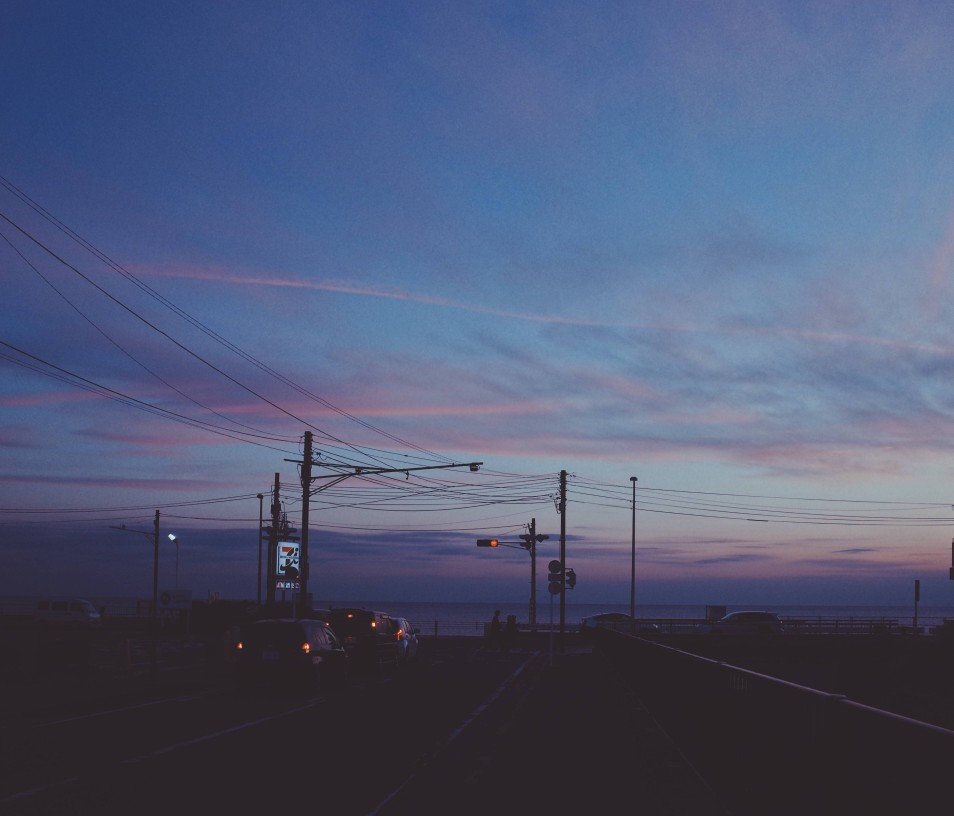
(465, 730)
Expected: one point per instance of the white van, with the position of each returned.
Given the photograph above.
(65, 612)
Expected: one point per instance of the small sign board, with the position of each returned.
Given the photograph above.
(175, 599)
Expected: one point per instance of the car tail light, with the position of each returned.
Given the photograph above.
(400, 634)
(306, 647)
(239, 646)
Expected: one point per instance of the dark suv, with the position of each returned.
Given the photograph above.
(371, 638)
(290, 652)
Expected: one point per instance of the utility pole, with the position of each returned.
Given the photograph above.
(533, 570)
(272, 545)
(304, 601)
(155, 588)
(562, 556)
(155, 581)
(258, 586)
(356, 470)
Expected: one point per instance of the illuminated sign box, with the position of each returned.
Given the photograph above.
(288, 561)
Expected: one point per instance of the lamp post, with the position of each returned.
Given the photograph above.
(632, 568)
(175, 541)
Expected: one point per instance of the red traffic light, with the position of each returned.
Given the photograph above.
(487, 542)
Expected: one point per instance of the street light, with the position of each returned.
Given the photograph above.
(175, 541)
(632, 572)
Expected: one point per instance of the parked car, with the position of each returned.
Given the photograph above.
(370, 637)
(407, 640)
(746, 623)
(617, 621)
(291, 652)
(71, 612)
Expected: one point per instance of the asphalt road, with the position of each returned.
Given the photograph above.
(463, 730)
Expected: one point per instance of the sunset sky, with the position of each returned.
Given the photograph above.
(706, 244)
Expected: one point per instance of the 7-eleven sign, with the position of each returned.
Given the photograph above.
(288, 564)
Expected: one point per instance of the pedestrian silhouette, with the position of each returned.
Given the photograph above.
(510, 632)
(495, 630)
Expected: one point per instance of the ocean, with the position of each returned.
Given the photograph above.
(468, 618)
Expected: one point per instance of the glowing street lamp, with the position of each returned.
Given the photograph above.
(175, 541)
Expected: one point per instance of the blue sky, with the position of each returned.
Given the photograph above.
(706, 244)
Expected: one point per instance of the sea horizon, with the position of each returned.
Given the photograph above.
(473, 614)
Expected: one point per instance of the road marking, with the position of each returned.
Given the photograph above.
(108, 711)
(456, 732)
(34, 791)
(27, 794)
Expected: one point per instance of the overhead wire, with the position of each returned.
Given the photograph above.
(89, 247)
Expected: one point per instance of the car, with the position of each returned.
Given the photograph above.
(293, 653)
(746, 622)
(617, 621)
(407, 640)
(370, 637)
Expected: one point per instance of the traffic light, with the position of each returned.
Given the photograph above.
(560, 578)
(527, 541)
(487, 542)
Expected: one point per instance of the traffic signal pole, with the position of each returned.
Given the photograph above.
(528, 542)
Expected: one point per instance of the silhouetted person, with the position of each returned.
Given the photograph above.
(495, 630)
(510, 632)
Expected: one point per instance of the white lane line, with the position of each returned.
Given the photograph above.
(108, 711)
(33, 792)
(27, 794)
(457, 732)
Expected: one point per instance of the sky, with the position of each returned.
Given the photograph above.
(706, 244)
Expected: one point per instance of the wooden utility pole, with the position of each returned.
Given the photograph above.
(533, 570)
(304, 600)
(562, 557)
(261, 520)
(304, 606)
(273, 545)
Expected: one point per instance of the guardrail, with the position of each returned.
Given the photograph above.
(771, 746)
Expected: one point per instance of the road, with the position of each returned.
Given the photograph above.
(169, 747)
(457, 731)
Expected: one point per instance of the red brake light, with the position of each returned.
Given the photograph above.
(240, 645)
(306, 647)
(400, 634)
